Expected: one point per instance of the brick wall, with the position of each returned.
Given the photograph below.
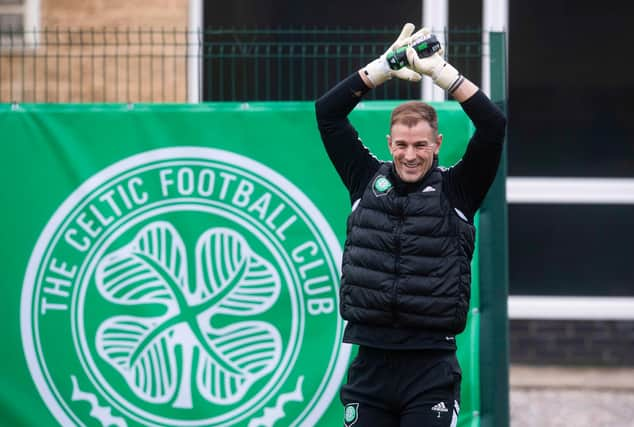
(100, 51)
(113, 13)
(572, 342)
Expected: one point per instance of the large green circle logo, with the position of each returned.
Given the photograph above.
(185, 287)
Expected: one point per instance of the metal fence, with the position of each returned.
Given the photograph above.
(220, 64)
(94, 65)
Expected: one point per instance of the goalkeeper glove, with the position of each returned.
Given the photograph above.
(378, 71)
(442, 73)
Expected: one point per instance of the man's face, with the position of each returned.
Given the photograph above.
(413, 149)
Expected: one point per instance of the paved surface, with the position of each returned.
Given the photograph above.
(571, 397)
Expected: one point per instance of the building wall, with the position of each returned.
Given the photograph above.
(572, 342)
(99, 51)
(568, 118)
(114, 13)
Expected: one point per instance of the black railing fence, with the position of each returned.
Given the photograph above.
(216, 64)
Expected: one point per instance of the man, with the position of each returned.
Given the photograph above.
(405, 282)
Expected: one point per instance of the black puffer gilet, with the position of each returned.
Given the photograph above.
(406, 261)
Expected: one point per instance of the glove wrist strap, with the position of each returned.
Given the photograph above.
(446, 76)
(377, 71)
(456, 84)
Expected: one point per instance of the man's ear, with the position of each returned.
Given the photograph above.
(438, 143)
(389, 142)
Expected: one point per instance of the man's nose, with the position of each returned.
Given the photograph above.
(410, 152)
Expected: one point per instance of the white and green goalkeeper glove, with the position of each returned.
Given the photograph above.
(378, 71)
(442, 73)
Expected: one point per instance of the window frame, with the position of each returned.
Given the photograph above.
(30, 11)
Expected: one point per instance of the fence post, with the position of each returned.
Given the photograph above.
(494, 359)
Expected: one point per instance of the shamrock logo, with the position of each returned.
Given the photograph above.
(162, 357)
(381, 184)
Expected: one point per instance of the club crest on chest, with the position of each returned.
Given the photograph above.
(381, 186)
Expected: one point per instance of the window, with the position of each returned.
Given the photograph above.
(19, 20)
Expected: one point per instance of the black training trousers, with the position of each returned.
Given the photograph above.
(402, 388)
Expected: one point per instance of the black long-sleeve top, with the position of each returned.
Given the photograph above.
(466, 183)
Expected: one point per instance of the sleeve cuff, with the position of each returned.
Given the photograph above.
(357, 85)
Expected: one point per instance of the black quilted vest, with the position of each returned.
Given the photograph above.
(406, 271)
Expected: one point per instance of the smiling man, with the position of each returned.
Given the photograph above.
(406, 276)
(414, 141)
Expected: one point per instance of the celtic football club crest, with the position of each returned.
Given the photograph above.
(350, 414)
(185, 287)
(381, 186)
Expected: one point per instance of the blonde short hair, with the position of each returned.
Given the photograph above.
(412, 112)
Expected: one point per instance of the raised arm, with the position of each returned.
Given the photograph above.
(352, 160)
(470, 179)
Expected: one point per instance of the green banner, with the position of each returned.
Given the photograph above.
(178, 265)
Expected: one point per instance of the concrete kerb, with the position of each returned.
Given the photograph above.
(564, 377)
